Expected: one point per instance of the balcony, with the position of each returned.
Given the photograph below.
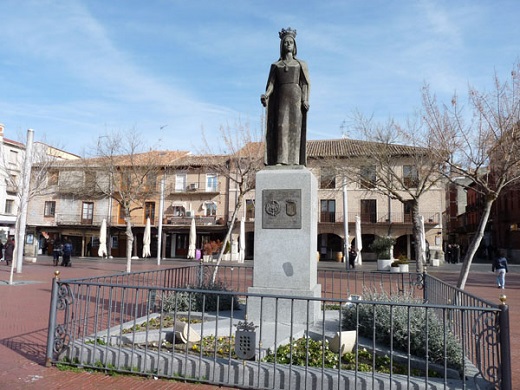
(77, 220)
(193, 187)
(199, 220)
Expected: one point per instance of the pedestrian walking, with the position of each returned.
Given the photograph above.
(67, 252)
(500, 267)
(352, 254)
(9, 250)
(57, 251)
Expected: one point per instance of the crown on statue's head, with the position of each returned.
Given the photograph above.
(289, 31)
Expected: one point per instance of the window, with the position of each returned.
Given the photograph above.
(328, 210)
(149, 211)
(211, 182)
(122, 214)
(126, 181)
(151, 181)
(328, 178)
(50, 209)
(211, 209)
(90, 180)
(368, 176)
(180, 182)
(250, 209)
(410, 176)
(369, 210)
(9, 206)
(13, 157)
(407, 209)
(52, 178)
(87, 213)
(179, 211)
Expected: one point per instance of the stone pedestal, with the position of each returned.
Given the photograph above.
(286, 223)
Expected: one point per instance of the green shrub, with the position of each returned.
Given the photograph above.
(194, 301)
(381, 247)
(409, 325)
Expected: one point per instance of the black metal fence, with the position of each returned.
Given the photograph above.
(367, 330)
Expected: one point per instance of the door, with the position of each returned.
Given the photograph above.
(368, 211)
(181, 245)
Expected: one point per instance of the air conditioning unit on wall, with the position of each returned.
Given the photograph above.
(193, 186)
(190, 213)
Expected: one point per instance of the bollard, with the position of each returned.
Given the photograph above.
(52, 319)
(505, 348)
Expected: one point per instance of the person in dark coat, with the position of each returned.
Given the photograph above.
(56, 251)
(67, 252)
(9, 250)
(352, 254)
(500, 266)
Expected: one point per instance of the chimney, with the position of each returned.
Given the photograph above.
(1, 129)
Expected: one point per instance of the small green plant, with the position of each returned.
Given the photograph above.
(97, 341)
(316, 353)
(381, 247)
(403, 259)
(161, 322)
(395, 263)
(219, 346)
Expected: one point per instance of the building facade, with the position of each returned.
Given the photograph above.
(189, 187)
(12, 155)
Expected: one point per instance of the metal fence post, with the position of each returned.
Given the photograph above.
(505, 348)
(52, 319)
(425, 286)
(200, 273)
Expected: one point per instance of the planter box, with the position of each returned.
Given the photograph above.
(404, 268)
(384, 264)
(436, 262)
(395, 269)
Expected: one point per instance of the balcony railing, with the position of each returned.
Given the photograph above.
(193, 187)
(75, 219)
(385, 218)
(78, 220)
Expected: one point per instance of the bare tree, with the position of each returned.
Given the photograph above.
(124, 171)
(379, 166)
(245, 157)
(27, 180)
(481, 144)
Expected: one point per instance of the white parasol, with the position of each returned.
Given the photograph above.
(359, 242)
(102, 250)
(147, 239)
(192, 239)
(242, 241)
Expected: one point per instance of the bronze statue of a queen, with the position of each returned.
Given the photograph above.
(287, 100)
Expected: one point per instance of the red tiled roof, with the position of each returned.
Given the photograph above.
(345, 147)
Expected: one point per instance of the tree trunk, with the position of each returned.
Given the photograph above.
(416, 230)
(228, 235)
(473, 246)
(129, 244)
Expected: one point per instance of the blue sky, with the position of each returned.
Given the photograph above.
(74, 70)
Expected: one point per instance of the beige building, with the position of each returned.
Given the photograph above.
(189, 186)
